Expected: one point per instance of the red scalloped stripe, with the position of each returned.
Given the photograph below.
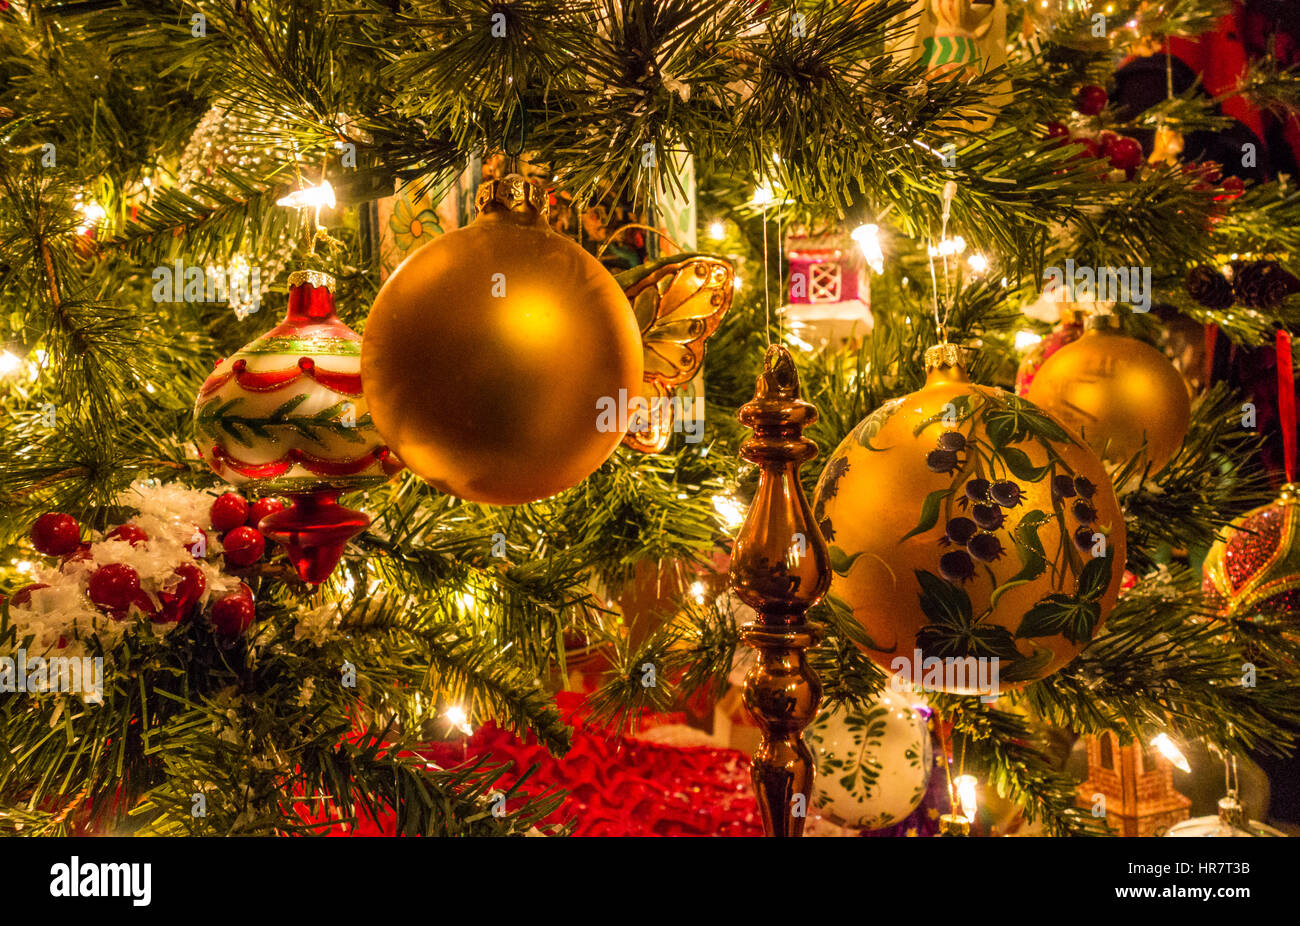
(314, 465)
(348, 384)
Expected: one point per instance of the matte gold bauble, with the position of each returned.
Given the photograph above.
(965, 522)
(490, 352)
(1122, 396)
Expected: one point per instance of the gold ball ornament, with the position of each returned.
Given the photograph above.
(1122, 396)
(489, 351)
(965, 522)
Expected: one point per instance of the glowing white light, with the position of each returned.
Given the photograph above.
(737, 283)
(26, 566)
(8, 363)
(730, 510)
(949, 246)
(1026, 340)
(456, 717)
(868, 239)
(717, 231)
(92, 213)
(966, 785)
(1169, 749)
(763, 196)
(466, 600)
(697, 592)
(978, 263)
(311, 197)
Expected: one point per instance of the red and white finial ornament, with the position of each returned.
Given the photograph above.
(285, 416)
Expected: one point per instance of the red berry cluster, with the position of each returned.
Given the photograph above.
(115, 587)
(237, 521)
(1123, 153)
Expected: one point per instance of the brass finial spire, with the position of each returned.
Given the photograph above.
(780, 567)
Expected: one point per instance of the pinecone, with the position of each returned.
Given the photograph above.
(1209, 287)
(1262, 284)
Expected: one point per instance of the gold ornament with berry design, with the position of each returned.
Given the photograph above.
(963, 522)
(286, 414)
(1254, 569)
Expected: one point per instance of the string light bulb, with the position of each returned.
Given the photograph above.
(456, 716)
(1169, 749)
(868, 241)
(967, 795)
(729, 510)
(717, 231)
(9, 362)
(314, 197)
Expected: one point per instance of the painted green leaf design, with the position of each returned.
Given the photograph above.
(961, 405)
(842, 562)
(1018, 462)
(929, 512)
(1061, 614)
(943, 602)
(1024, 668)
(870, 426)
(1095, 578)
(1033, 560)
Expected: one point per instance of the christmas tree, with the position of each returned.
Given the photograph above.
(250, 277)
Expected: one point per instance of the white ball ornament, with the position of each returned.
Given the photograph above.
(873, 763)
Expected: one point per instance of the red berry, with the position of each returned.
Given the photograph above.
(114, 586)
(1091, 100)
(78, 555)
(1124, 153)
(131, 533)
(261, 508)
(1232, 188)
(1090, 148)
(233, 614)
(243, 546)
(1106, 138)
(56, 533)
(24, 595)
(177, 603)
(229, 511)
(146, 605)
(1058, 130)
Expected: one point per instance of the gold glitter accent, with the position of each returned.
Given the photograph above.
(312, 278)
(946, 355)
(516, 193)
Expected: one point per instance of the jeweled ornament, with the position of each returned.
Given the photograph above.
(489, 351)
(286, 416)
(1125, 398)
(1254, 568)
(873, 762)
(966, 522)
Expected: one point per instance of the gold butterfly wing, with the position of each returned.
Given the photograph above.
(679, 302)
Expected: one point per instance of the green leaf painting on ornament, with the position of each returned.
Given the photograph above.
(870, 426)
(842, 562)
(858, 771)
(1033, 559)
(338, 421)
(1074, 617)
(953, 413)
(929, 512)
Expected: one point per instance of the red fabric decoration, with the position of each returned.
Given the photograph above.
(618, 786)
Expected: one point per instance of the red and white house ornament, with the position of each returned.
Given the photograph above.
(285, 416)
(829, 297)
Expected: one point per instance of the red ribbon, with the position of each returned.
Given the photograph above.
(1286, 401)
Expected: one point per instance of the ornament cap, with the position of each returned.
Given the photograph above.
(954, 824)
(1289, 492)
(1104, 321)
(316, 278)
(1231, 813)
(513, 193)
(946, 356)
